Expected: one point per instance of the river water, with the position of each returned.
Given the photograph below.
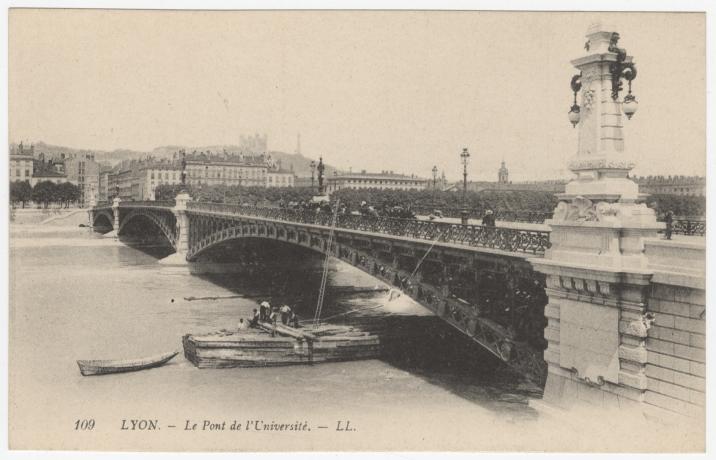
(77, 295)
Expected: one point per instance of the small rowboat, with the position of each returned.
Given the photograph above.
(109, 366)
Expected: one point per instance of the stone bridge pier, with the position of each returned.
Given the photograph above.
(182, 232)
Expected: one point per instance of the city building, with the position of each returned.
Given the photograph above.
(280, 178)
(45, 170)
(104, 193)
(385, 180)
(82, 170)
(672, 185)
(246, 170)
(21, 163)
(138, 179)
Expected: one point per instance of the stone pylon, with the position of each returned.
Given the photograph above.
(182, 239)
(115, 220)
(596, 274)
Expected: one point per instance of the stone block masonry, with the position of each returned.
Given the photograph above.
(676, 352)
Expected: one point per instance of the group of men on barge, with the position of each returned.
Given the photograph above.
(271, 314)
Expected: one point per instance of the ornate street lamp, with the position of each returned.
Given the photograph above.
(573, 114)
(183, 171)
(313, 170)
(435, 182)
(464, 157)
(619, 69)
(622, 69)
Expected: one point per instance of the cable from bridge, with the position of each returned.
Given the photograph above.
(324, 277)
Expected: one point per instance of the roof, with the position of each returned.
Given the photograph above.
(48, 173)
(384, 176)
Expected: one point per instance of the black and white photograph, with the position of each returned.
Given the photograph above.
(356, 230)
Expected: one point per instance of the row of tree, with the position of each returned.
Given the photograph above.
(422, 200)
(44, 193)
(259, 196)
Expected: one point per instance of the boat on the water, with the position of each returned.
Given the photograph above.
(289, 346)
(272, 344)
(112, 366)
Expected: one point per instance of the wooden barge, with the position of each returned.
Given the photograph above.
(289, 346)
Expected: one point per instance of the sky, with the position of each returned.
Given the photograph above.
(396, 90)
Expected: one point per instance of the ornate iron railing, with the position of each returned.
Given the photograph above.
(147, 204)
(506, 239)
(534, 217)
(689, 227)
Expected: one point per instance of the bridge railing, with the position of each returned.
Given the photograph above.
(152, 204)
(506, 239)
(689, 227)
(533, 217)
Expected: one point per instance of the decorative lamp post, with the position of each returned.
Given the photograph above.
(313, 170)
(621, 69)
(183, 171)
(320, 169)
(435, 182)
(573, 114)
(465, 158)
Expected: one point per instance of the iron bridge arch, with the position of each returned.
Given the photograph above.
(163, 219)
(492, 296)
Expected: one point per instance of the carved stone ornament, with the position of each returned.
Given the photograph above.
(588, 99)
(599, 163)
(579, 210)
(589, 75)
(639, 328)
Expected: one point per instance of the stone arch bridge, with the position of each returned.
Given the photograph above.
(477, 279)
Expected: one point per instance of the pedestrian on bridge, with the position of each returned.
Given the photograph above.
(488, 220)
(669, 220)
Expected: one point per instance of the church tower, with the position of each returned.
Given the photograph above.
(503, 174)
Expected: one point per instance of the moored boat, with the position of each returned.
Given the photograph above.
(110, 366)
(258, 348)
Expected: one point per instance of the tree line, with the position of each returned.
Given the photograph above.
(423, 200)
(44, 193)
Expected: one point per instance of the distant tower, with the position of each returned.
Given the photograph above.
(503, 174)
(298, 144)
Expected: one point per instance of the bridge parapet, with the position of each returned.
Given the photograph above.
(506, 239)
(147, 204)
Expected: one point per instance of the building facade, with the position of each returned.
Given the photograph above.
(21, 163)
(83, 171)
(672, 185)
(385, 180)
(138, 179)
(280, 178)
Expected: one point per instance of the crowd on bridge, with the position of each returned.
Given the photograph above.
(367, 210)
